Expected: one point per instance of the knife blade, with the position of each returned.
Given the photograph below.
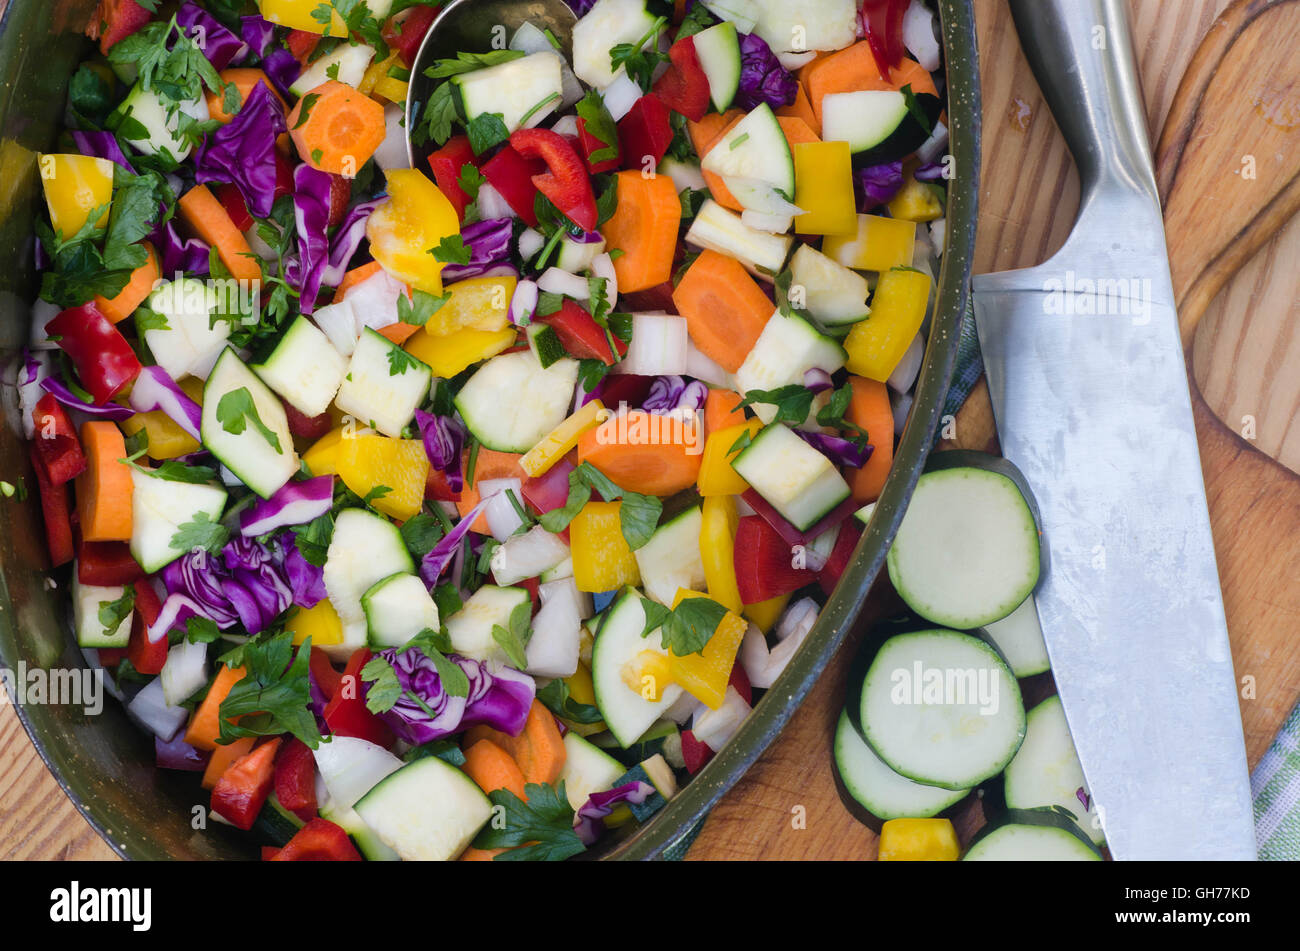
(1089, 388)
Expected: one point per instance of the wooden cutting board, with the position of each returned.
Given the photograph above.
(786, 807)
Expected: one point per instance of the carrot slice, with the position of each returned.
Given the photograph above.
(245, 80)
(644, 228)
(398, 333)
(223, 757)
(479, 855)
(354, 277)
(538, 750)
(490, 464)
(208, 219)
(492, 768)
(721, 410)
(869, 408)
(137, 289)
(205, 726)
(853, 69)
(802, 108)
(653, 459)
(104, 489)
(705, 134)
(724, 307)
(336, 129)
(797, 131)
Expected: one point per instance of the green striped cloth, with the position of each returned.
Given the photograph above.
(1276, 788)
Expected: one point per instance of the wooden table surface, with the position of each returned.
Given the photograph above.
(786, 807)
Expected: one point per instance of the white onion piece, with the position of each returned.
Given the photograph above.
(566, 125)
(797, 620)
(556, 640)
(339, 324)
(714, 728)
(571, 90)
(527, 556)
(621, 95)
(902, 404)
(392, 151)
(523, 304)
(933, 147)
(904, 375)
(683, 708)
(151, 710)
(556, 281)
(492, 205)
(602, 265)
(42, 313)
(31, 391)
(374, 301)
(502, 519)
(938, 235)
(918, 35)
(351, 767)
(793, 61)
(531, 242)
(529, 39)
(703, 367)
(684, 175)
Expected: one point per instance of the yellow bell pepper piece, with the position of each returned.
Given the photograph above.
(718, 550)
(877, 244)
(915, 201)
(876, 345)
(765, 613)
(448, 355)
(297, 15)
(602, 558)
(648, 674)
(919, 840)
(375, 72)
(823, 188)
(323, 456)
(394, 90)
(717, 475)
(166, 439)
(480, 303)
(705, 675)
(561, 439)
(321, 623)
(370, 460)
(75, 185)
(403, 230)
(582, 690)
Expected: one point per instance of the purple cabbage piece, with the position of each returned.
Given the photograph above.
(311, 203)
(243, 151)
(347, 240)
(587, 823)
(841, 451)
(444, 438)
(488, 243)
(40, 258)
(318, 702)
(933, 172)
(154, 389)
(580, 8)
(440, 556)
(669, 393)
(817, 380)
(282, 68)
(295, 503)
(101, 145)
(110, 411)
(307, 581)
(218, 44)
(877, 184)
(499, 697)
(177, 609)
(762, 77)
(177, 754)
(175, 253)
(257, 34)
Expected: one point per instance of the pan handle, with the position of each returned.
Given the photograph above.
(1081, 52)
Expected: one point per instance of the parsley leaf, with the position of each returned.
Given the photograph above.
(793, 402)
(201, 534)
(313, 540)
(486, 130)
(421, 532)
(113, 613)
(640, 59)
(375, 494)
(236, 408)
(537, 829)
(555, 696)
(451, 250)
(436, 647)
(439, 115)
(513, 639)
(916, 109)
(638, 515)
(308, 103)
(399, 361)
(200, 630)
(385, 689)
(691, 625)
(468, 62)
(420, 307)
(656, 615)
(599, 124)
(274, 695)
(173, 471)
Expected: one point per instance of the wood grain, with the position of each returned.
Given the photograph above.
(1028, 199)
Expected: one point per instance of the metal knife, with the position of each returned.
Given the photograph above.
(1089, 388)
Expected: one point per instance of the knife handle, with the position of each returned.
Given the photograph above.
(1081, 52)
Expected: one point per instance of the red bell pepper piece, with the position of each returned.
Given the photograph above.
(645, 131)
(625, 388)
(115, 20)
(57, 445)
(841, 552)
(695, 753)
(883, 21)
(581, 336)
(110, 657)
(283, 177)
(295, 779)
(447, 164)
(233, 201)
(657, 298)
(145, 655)
(104, 360)
(269, 852)
(242, 789)
(764, 562)
(404, 32)
(437, 488)
(57, 513)
(107, 563)
(307, 427)
(323, 672)
(340, 198)
(302, 44)
(318, 841)
(565, 181)
(740, 680)
(684, 87)
(512, 175)
(590, 144)
(346, 713)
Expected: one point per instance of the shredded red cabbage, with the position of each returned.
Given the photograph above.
(488, 243)
(439, 557)
(218, 44)
(154, 389)
(110, 411)
(177, 754)
(281, 67)
(933, 172)
(444, 438)
(587, 823)
(101, 145)
(311, 203)
(257, 33)
(180, 254)
(877, 184)
(243, 151)
(295, 503)
(817, 380)
(841, 451)
(347, 240)
(762, 77)
(668, 393)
